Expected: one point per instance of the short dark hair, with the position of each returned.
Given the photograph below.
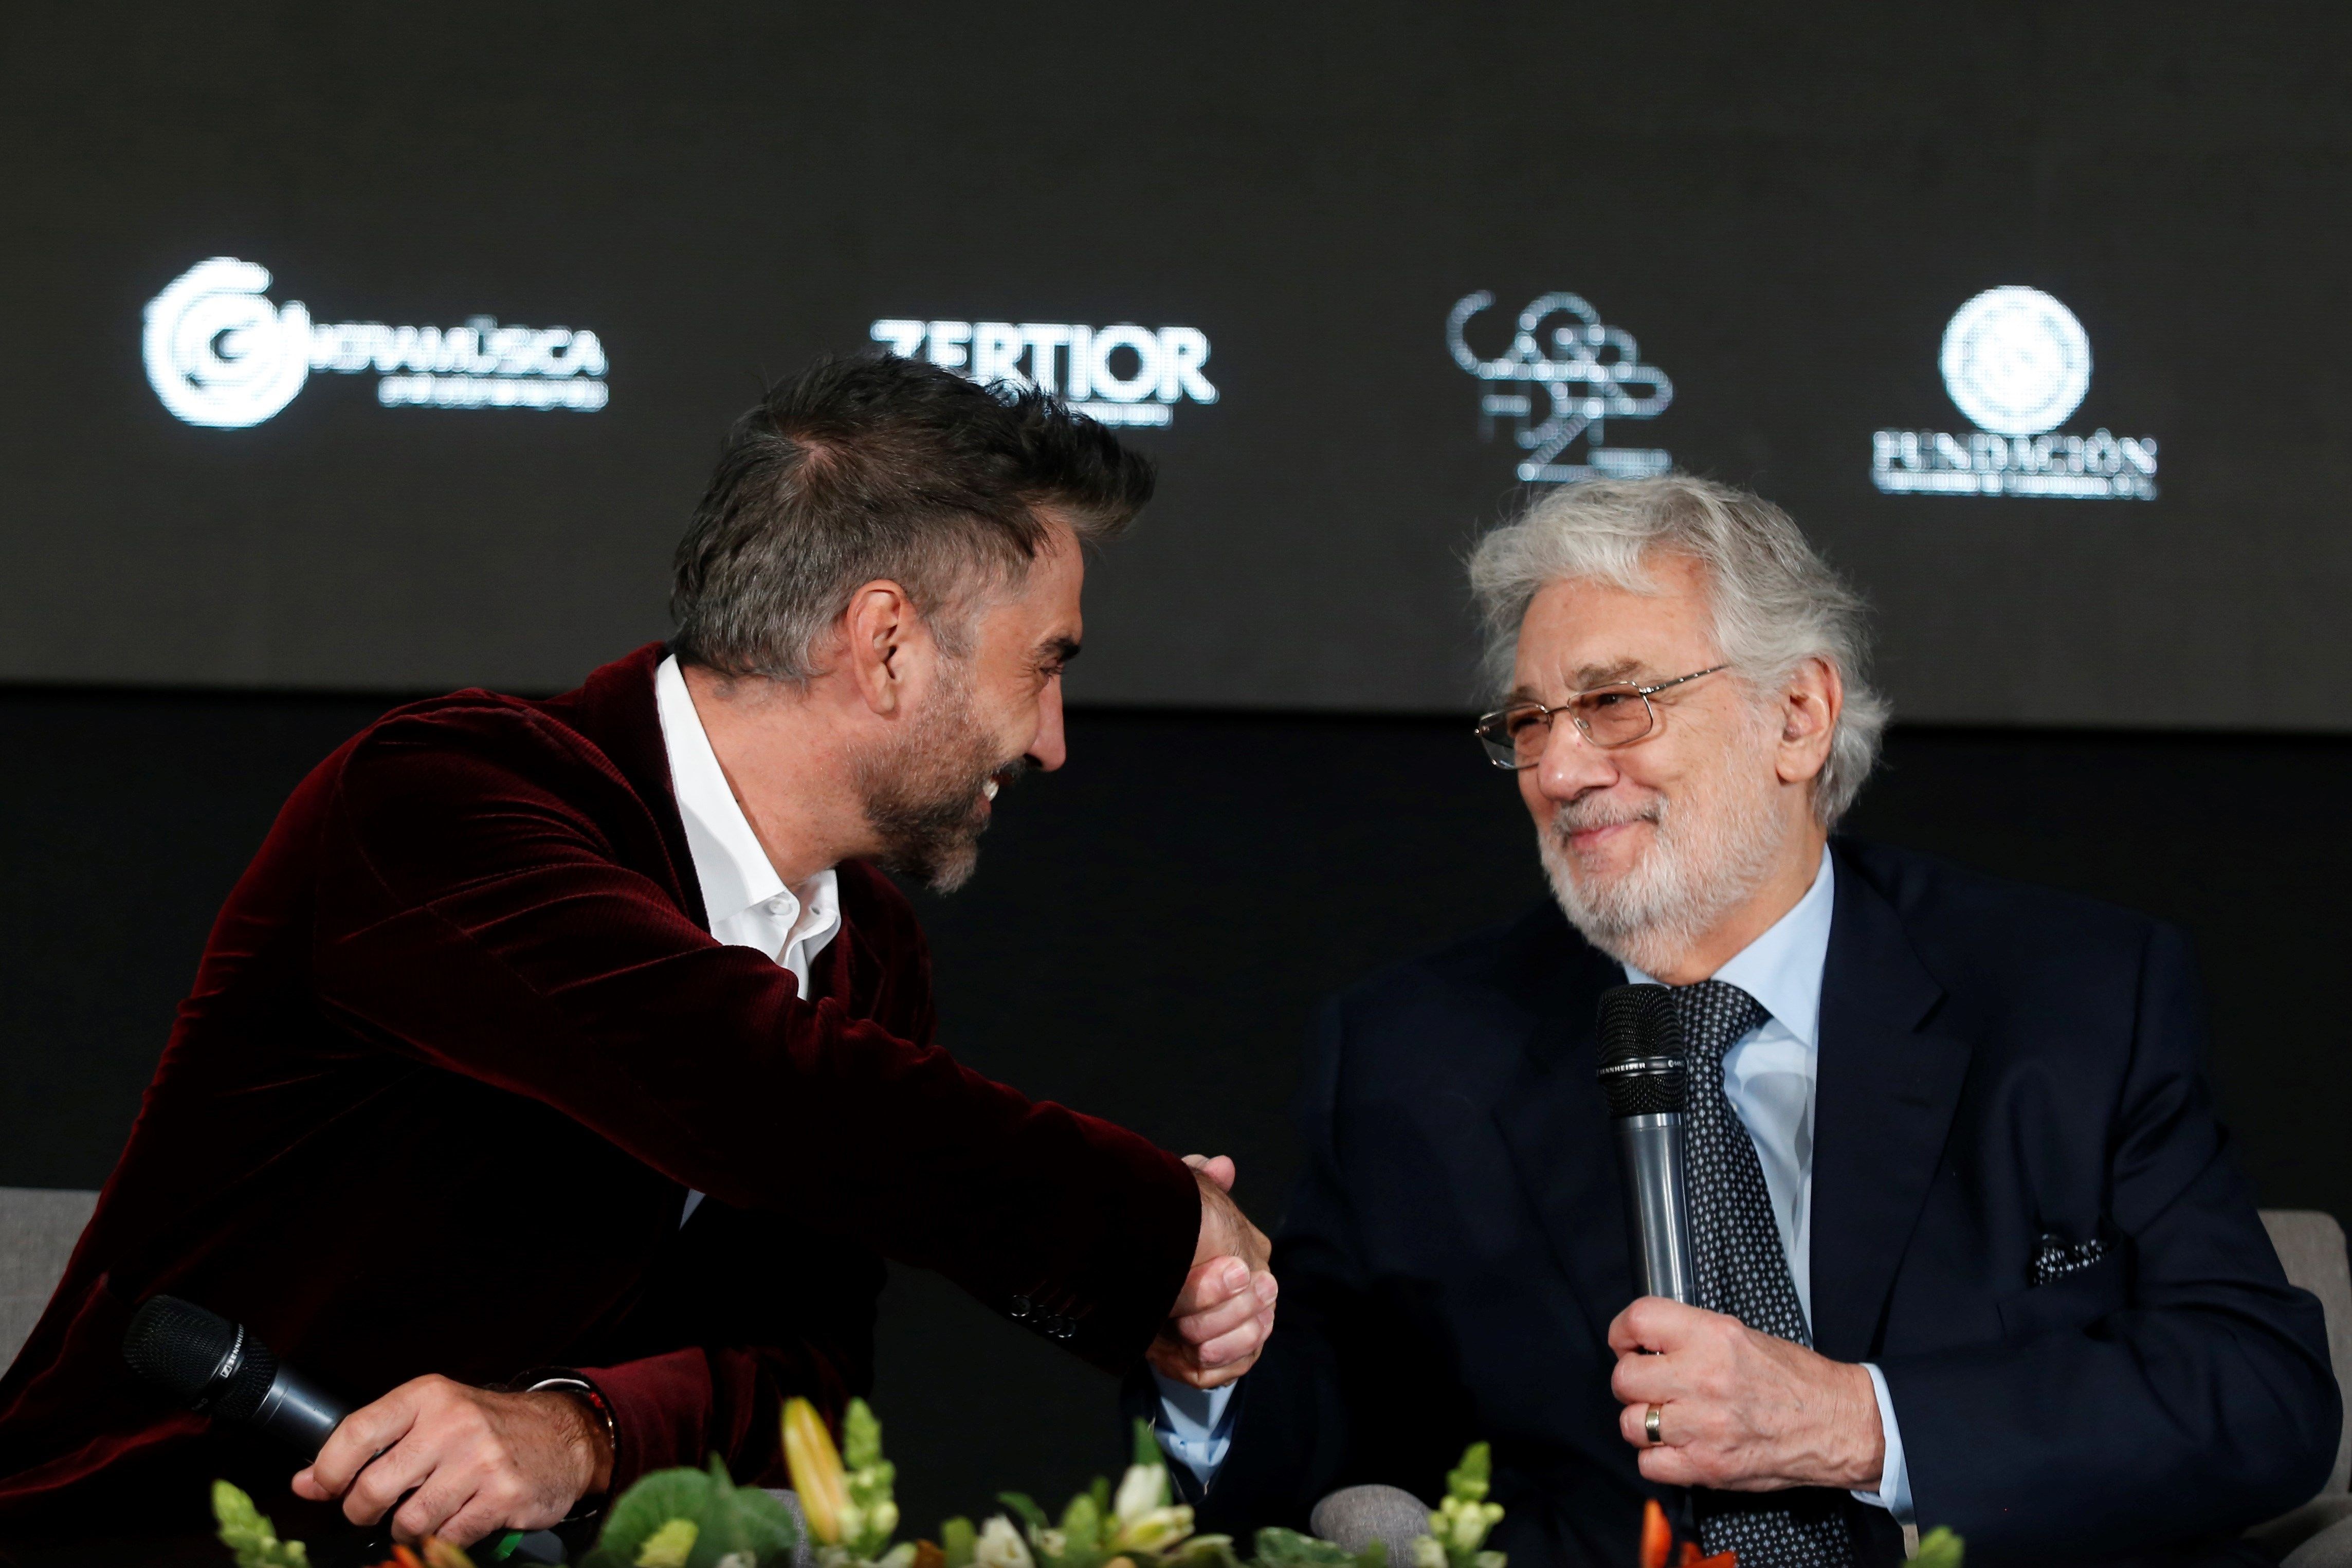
(879, 467)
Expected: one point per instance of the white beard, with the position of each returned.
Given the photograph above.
(1706, 857)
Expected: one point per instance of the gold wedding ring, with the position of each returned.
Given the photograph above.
(1649, 1423)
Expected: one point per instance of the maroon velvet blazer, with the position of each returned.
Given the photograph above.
(460, 1042)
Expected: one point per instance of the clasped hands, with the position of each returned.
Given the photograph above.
(1740, 1410)
(1220, 1321)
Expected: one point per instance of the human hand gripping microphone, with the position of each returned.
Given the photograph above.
(221, 1370)
(1644, 1075)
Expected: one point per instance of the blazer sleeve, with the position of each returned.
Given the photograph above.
(2200, 1401)
(473, 914)
(738, 1326)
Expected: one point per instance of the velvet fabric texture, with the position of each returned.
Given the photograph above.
(459, 1044)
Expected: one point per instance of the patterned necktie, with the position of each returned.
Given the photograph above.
(1742, 1270)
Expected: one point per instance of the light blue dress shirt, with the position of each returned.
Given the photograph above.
(1769, 1076)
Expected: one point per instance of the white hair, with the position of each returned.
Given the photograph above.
(1777, 603)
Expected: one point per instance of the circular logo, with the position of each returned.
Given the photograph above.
(218, 353)
(2016, 361)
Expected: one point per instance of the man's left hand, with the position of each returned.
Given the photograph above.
(1740, 1411)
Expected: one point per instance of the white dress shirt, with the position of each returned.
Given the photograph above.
(747, 903)
(1769, 1076)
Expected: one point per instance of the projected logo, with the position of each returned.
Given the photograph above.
(220, 354)
(1566, 374)
(2016, 362)
(1123, 374)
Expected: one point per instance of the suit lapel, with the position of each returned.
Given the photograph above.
(1883, 1106)
(1556, 1126)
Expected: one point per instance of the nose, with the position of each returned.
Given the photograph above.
(1048, 749)
(1571, 764)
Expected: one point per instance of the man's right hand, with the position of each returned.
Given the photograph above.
(1222, 1319)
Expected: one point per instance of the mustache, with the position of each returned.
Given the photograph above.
(1602, 811)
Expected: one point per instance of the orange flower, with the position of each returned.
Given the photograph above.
(1657, 1536)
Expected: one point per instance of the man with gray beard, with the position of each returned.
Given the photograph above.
(1969, 1243)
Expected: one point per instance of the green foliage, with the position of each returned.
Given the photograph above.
(246, 1531)
(1940, 1548)
(1289, 1548)
(671, 1546)
(873, 1517)
(1279, 1548)
(1459, 1526)
(1208, 1551)
(1470, 1479)
(1082, 1533)
(1146, 1450)
(957, 1538)
(724, 1519)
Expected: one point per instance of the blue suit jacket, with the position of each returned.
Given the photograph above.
(2000, 1065)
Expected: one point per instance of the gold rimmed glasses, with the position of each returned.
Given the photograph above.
(1617, 714)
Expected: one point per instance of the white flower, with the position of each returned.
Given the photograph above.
(1143, 1489)
(1153, 1530)
(1001, 1546)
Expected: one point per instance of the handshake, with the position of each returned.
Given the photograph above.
(1222, 1319)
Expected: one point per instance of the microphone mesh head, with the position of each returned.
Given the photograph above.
(182, 1347)
(1642, 1057)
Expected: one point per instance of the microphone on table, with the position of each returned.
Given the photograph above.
(220, 1368)
(1644, 1075)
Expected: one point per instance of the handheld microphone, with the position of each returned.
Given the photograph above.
(220, 1368)
(1644, 1075)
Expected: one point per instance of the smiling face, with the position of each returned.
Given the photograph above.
(1657, 846)
(985, 717)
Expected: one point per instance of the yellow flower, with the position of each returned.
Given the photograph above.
(816, 1467)
(669, 1546)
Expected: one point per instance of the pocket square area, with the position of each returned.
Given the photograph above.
(2054, 1258)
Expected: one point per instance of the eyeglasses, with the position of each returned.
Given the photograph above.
(1614, 715)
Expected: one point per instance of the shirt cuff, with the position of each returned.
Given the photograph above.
(1894, 1493)
(1195, 1425)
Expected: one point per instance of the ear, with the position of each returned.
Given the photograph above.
(884, 641)
(1809, 708)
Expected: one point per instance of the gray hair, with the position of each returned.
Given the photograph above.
(1777, 603)
(875, 467)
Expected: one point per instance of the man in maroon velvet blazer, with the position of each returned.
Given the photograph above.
(468, 1095)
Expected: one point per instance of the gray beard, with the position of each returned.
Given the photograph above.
(922, 793)
(1707, 857)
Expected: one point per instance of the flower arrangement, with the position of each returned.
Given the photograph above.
(700, 1518)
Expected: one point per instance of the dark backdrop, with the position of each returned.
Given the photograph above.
(1148, 931)
(1779, 208)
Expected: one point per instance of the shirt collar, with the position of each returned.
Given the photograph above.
(729, 863)
(1783, 968)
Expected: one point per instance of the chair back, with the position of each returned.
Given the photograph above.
(2311, 1248)
(38, 1227)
